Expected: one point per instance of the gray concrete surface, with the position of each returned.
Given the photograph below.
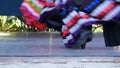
(46, 50)
(50, 44)
(60, 62)
(68, 65)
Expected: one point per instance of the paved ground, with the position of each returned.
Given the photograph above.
(50, 44)
(72, 65)
(46, 50)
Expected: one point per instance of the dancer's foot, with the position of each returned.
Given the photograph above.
(84, 37)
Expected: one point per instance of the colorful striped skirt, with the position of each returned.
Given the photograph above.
(73, 17)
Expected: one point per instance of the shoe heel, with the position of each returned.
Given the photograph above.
(83, 46)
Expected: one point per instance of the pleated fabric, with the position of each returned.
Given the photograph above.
(94, 12)
(35, 11)
(74, 17)
(32, 10)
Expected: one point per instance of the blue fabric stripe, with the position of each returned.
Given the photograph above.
(91, 5)
(67, 10)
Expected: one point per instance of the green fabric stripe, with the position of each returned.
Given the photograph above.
(35, 6)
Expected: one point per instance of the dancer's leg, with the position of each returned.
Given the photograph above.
(111, 34)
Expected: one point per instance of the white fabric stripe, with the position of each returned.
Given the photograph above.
(74, 28)
(98, 10)
(68, 38)
(31, 10)
(57, 2)
(69, 17)
(80, 22)
(83, 21)
(82, 13)
(46, 9)
(92, 20)
(112, 13)
(65, 41)
(73, 13)
(64, 1)
(64, 27)
(37, 3)
(77, 26)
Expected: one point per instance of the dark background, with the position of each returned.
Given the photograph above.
(10, 7)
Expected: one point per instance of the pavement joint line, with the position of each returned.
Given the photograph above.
(60, 59)
(96, 34)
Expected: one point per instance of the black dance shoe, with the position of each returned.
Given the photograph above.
(84, 37)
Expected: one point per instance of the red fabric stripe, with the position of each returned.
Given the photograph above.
(40, 26)
(73, 20)
(32, 7)
(50, 4)
(76, 17)
(27, 13)
(70, 23)
(65, 32)
(29, 23)
(106, 10)
(85, 16)
(33, 21)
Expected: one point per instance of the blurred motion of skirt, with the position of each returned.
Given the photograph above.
(111, 34)
(10, 7)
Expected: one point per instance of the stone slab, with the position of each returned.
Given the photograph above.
(50, 45)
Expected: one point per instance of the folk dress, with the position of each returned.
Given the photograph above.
(74, 17)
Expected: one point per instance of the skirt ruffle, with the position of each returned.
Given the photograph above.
(73, 17)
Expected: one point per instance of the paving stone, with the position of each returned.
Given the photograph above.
(45, 50)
